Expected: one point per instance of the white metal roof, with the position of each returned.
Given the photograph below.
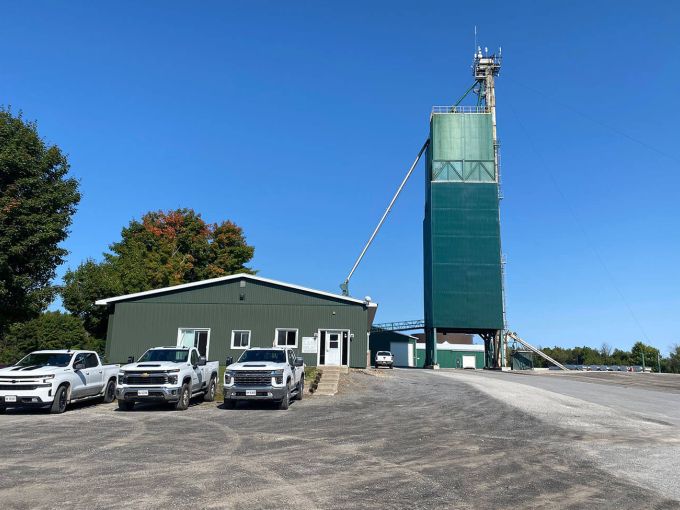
(238, 276)
(445, 346)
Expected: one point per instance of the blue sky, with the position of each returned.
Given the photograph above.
(297, 120)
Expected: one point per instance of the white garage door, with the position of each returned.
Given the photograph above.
(403, 354)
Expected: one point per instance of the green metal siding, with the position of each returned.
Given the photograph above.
(462, 251)
(150, 321)
(451, 359)
(382, 341)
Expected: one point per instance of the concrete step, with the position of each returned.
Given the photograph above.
(330, 377)
(334, 370)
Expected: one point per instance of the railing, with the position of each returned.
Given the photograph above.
(460, 109)
(399, 326)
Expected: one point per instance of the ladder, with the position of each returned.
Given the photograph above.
(543, 355)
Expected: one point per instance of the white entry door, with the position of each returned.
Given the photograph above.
(333, 347)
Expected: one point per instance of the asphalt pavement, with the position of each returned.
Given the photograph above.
(389, 439)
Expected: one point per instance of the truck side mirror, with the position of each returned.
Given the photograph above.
(230, 360)
(299, 361)
(78, 366)
(131, 359)
(201, 361)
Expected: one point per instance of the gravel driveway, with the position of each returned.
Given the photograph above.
(398, 439)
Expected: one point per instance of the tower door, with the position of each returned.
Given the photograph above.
(333, 348)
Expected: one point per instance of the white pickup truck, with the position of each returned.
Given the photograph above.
(167, 374)
(265, 374)
(56, 378)
(384, 359)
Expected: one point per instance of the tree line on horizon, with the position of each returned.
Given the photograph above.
(638, 355)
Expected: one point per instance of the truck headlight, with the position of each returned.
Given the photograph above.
(228, 378)
(172, 379)
(121, 378)
(278, 376)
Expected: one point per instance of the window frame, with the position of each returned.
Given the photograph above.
(276, 338)
(207, 342)
(233, 336)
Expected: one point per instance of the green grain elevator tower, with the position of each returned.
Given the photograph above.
(461, 232)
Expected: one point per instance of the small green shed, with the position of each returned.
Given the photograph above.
(223, 316)
(454, 355)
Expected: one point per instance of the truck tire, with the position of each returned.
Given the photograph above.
(285, 401)
(3, 409)
(209, 394)
(59, 403)
(301, 389)
(110, 392)
(184, 398)
(125, 405)
(229, 403)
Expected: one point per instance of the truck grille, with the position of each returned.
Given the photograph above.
(18, 387)
(150, 379)
(253, 378)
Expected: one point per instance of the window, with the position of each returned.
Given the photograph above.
(286, 337)
(194, 337)
(240, 339)
(91, 360)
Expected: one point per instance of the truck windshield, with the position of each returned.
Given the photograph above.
(384, 353)
(172, 355)
(46, 359)
(269, 356)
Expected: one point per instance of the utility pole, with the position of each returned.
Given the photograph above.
(643, 360)
(658, 362)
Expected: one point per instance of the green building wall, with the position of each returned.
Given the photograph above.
(153, 320)
(451, 359)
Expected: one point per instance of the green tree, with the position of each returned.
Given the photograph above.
(50, 330)
(37, 201)
(82, 287)
(650, 354)
(672, 363)
(163, 249)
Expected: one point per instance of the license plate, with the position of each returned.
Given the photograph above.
(251, 393)
(143, 393)
(11, 398)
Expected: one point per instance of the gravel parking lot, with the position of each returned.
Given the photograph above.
(391, 439)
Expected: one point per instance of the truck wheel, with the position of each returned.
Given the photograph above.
(229, 403)
(285, 401)
(391, 367)
(209, 394)
(301, 389)
(59, 402)
(125, 405)
(2, 410)
(110, 392)
(184, 397)
(377, 366)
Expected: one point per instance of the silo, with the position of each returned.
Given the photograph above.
(463, 271)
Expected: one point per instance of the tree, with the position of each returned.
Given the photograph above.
(163, 249)
(650, 354)
(37, 201)
(673, 362)
(606, 352)
(82, 287)
(50, 330)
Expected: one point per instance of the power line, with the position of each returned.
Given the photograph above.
(597, 121)
(577, 221)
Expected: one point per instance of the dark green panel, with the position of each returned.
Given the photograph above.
(461, 231)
